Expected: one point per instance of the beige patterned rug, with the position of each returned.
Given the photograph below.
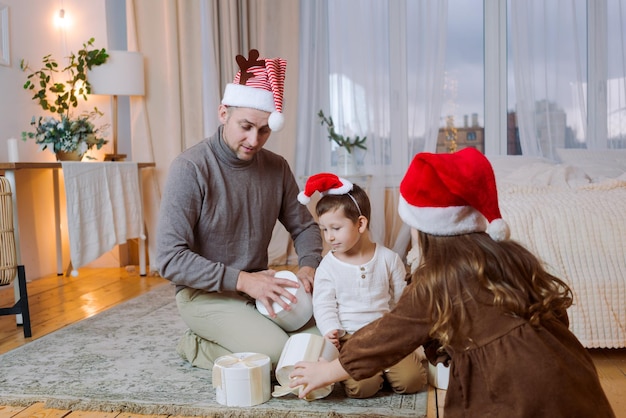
(124, 360)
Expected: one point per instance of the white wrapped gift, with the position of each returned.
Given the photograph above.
(303, 347)
(439, 375)
(242, 379)
(300, 313)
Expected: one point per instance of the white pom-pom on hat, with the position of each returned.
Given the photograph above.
(276, 121)
(303, 198)
(325, 183)
(498, 230)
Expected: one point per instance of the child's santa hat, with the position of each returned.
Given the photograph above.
(259, 84)
(325, 183)
(452, 194)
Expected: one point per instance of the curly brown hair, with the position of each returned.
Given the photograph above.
(516, 278)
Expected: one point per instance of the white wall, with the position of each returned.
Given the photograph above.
(33, 34)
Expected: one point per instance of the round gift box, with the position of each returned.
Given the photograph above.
(242, 379)
(300, 312)
(303, 347)
(438, 375)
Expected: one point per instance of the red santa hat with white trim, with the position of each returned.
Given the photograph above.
(452, 194)
(259, 84)
(325, 183)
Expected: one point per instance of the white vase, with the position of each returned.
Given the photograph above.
(346, 162)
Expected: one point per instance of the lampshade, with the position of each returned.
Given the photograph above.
(121, 75)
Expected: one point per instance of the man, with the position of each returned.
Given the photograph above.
(222, 199)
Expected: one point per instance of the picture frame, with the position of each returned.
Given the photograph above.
(5, 56)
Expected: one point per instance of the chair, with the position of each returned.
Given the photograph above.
(9, 269)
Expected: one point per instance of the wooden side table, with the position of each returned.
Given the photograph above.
(10, 169)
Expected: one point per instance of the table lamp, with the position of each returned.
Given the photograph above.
(121, 75)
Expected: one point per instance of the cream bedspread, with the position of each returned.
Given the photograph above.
(579, 230)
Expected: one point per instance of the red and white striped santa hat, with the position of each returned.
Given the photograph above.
(259, 84)
(452, 194)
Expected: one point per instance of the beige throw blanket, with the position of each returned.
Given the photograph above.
(103, 207)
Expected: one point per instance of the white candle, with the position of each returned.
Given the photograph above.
(12, 150)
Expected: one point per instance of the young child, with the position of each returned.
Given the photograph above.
(488, 301)
(357, 281)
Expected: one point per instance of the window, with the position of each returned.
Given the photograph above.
(556, 51)
(436, 75)
(464, 92)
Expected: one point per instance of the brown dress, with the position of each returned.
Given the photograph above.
(505, 368)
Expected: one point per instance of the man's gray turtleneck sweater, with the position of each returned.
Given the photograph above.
(217, 215)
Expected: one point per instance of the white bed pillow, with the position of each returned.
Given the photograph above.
(505, 165)
(521, 170)
(542, 174)
(598, 164)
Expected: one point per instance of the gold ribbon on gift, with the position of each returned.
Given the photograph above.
(311, 353)
(254, 369)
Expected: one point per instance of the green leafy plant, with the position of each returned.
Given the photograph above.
(343, 141)
(65, 133)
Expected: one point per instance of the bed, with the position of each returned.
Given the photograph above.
(572, 214)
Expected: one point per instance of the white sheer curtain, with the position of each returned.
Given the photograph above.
(569, 70)
(549, 63)
(377, 68)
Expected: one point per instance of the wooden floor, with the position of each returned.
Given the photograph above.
(58, 301)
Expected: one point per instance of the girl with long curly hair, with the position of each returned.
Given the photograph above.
(486, 301)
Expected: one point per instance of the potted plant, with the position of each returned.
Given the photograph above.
(67, 136)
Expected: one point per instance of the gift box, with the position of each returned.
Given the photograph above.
(303, 347)
(300, 313)
(438, 375)
(242, 379)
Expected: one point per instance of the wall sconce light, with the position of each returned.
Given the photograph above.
(121, 75)
(61, 20)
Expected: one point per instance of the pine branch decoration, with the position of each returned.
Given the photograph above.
(346, 142)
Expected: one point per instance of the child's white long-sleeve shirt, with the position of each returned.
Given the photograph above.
(348, 296)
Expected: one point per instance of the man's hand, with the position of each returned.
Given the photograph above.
(306, 276)
(267, 289)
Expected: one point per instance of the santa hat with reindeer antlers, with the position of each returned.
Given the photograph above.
(259, 84)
